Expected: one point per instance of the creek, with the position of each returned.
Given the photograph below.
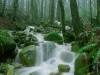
(47, 61)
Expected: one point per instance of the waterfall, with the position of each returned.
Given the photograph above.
(49, 56)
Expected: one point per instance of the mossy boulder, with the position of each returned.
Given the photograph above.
(75, 46)
(81, 65)
(28, 55)
(7, 46)
(63, 68)
(55, 37)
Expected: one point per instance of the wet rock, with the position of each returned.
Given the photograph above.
(66, 56)
(80, 64)
(28, 55)
(55, 73)
(32, 40)
(48, 50)
(7, 46)
(63, 68)
(10, 70)
(34, 73)
(55, 37)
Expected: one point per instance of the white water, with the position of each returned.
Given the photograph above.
(51, 64)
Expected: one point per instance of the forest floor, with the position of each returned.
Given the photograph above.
(6, 24)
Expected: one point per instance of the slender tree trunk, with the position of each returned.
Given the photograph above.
(32, 10)
(3, 9)
(15, 8)
(90, 12)
(42, 8)
(78, 28)
(0, 6)
(52, 11)
(58, 11)
(98, 12)
(62, 18)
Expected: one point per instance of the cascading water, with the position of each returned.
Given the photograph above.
(49, 56)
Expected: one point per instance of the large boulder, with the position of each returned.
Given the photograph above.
(81, 65)
(55, 37)
(48, 50)
(28, 55)
(63, 68)
(7, 46)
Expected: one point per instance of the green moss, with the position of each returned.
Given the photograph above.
(55, 37)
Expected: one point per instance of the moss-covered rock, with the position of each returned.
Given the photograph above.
(7, 45)
(75, 46)
(28, 55)
(81, 65)
(63, 68)
(32, 40)
(55, 37)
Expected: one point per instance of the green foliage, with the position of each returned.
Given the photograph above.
(85, 48)
(3, 35)
(91, 46)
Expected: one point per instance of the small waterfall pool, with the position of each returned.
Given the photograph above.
(48, 61)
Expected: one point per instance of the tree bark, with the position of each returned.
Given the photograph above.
(98, 12)
(15, 8)
(78, 28)
(62, 18)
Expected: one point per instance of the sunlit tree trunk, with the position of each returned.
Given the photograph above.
(62, 18)
(78, 28)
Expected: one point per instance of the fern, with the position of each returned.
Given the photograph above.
(86, 48)
(96, 57)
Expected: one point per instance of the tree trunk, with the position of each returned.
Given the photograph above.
(42, 9)
(78, 28)
(90, 12)
(62, 18)
(98, 12)
(58, 11)
(15, 8)
(52, 11)
(3, 9)
(32, 10)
